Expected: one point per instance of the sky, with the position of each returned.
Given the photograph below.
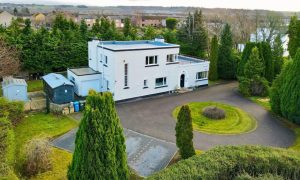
(277, 5)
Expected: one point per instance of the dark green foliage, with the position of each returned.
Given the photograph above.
(150, 33)
(7, 146)
(193, 36)
(290, 91)
(266, 56)
(245, 56)
(226, 63)
(294, 36)
(253, 83)
(277, 55)
(14, 110)
(229, 162)
(171, 23)
(100, 143)
(184, 133)
(213, 59)
(170, 36)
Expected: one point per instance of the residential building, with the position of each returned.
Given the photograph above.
(6, 18)
(38, 20)
(131, 69)
(154, 21)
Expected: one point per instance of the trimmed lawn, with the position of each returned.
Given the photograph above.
(34, 85)
(39, 125)
(237, 121)
(263, 101)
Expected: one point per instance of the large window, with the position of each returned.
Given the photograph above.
(126, 75)
(151, 60)
(201, 75)
(159, 82)
(171, 58)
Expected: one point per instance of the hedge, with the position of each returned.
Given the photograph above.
(13, 109)
(229, 162)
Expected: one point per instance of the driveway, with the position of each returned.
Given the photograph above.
(145, 154)
(153, 117)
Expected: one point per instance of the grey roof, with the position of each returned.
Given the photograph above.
(186, 59)
(13, 81)
(84, 71)
(55, 80)
(135, 45)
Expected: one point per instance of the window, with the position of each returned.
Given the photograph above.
(145, 83)
(170, 58)
(151, 60)
(159, 82)
(107, 84)
(201, 75)
(125, 75)
(105, 59)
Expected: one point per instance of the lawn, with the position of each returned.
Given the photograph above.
(40, 125)
(34, 85)
(263, 101)
(236, 121)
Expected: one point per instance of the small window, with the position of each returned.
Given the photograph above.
(159, 82)
(171, 58)
(151, 60)
(201, 75)
(145, 83)
(105, 59)
(107, 84)
(126, 75)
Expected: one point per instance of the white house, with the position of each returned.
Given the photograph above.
(131, 69)
(6, 18)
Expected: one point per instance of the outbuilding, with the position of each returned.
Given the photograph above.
(14, 89)
(84, 80)
(58, 88)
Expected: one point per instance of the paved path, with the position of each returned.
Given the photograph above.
(153, 117)
(145, 154)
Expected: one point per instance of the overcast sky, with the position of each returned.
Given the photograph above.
(278, 5)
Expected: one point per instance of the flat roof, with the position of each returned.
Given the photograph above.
(188, 60)
(84, 71)
(135, 45)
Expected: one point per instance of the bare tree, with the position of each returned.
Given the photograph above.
(9, 59)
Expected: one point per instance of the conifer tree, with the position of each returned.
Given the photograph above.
(226, 63)
(100, 143)
(266, 56)
(294, 35)
(184, 133)
(277, 55)
(245, 56)
(290, 91)
(213, 66)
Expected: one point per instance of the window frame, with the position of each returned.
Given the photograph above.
(205, 73)
(125, 75)
(154, 60)
(164, 82)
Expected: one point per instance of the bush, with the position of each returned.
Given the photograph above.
(37, 158)
(267, 176)
(14, 110)
(7, 146)
(6, 172)
(228, 162)
(213, 112)
(259, 87)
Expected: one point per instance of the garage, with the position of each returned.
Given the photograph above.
(84, 80)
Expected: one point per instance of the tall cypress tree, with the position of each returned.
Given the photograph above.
(245, 56)
(277, 55)
(290, 91)
(266, 55)
(100, 143)
(213, 66)
(184, 133)
(294, 36)
(226, 63)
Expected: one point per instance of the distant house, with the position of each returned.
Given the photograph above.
(38, 20)
(50, 17)
(262, 34)
(58, 88)
(6, 18)
(14, 89)
(154, 21)
(130, 69)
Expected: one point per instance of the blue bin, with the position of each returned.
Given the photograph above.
(76, 106)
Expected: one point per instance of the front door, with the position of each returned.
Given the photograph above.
(182, 79)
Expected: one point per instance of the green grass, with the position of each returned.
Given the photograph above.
(39, 125)
(264, 102)
(237, 121)
(34, 85)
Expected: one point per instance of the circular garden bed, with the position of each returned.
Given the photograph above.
(236, 121)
